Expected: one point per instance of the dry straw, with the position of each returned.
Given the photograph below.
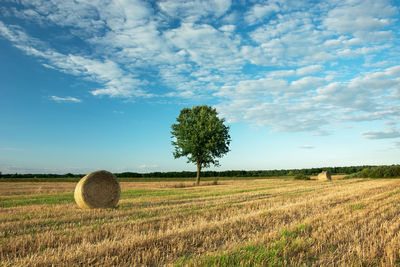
(99, 189)
(325, 175)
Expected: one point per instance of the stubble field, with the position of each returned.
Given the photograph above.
(248, 223)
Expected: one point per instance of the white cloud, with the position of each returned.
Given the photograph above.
(393, 71)
(386, 114)
(321, 132)
(311, 69)
(227, 28)
(282, 73)
(281, 64)
(290, 115)
(147, 166)
(253, 88)
(116, 81)
(348, 53)
(390, 133)
(363, 93)
(292, 39)
(66, 99)
(307, 83)
(258, 12)
(370, 63)
(306, 147)
(205, 46)
(310, 103)
(309, 37)
(308, 70)
(192, 11)
(359, 16)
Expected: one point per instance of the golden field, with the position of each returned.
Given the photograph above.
(262, 222)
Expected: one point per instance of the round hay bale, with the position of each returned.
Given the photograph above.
(325, 175)
(99, 189)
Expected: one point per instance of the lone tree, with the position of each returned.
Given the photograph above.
(200, 136)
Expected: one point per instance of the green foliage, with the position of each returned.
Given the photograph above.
(300, 176)
(377, 172)
(200, 136)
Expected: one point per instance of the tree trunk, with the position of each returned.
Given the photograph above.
(198, 173)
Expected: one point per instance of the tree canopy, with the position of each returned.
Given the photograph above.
(200, 136)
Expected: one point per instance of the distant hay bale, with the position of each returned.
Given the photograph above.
(325, 175)
(99, 189)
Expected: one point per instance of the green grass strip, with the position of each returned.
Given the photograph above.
(62, 198)
(290, 242)
(48, 199)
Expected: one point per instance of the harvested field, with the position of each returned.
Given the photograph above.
(251, 222)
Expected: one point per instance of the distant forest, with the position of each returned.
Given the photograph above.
(185, 174)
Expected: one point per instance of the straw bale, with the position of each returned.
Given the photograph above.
(325, 175)
(99, 189)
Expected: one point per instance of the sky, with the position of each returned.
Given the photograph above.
(88, 85)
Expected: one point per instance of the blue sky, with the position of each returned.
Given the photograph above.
(88, 85)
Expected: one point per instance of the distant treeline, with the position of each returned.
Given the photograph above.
(186, 174)
(41, 175)
(378, 172)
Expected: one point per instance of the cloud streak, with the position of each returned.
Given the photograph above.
(306, 147)
(65, 99)
(390, 133)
